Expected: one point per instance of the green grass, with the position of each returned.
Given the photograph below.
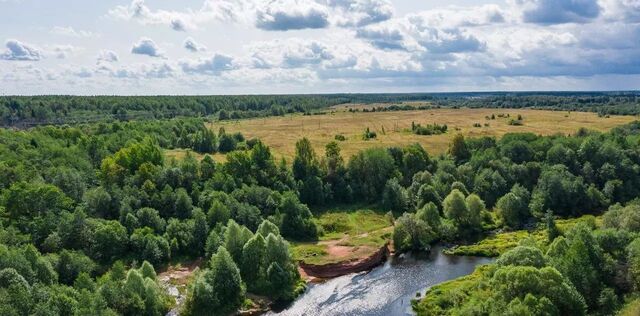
(495, 245)
(364, 229)
(338, 223)
(441, 298)
(630, 309)
(309, 252)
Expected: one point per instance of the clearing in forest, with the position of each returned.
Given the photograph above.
(393, 128)
(347, 234)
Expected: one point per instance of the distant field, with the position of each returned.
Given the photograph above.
(394, 127)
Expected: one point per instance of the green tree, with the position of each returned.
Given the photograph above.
(235, 236)
(412, 233)
(513, 207)
(218, 288)
(297, 220)
(458, 149)
(465, 214)
(394, 197)
(253, 268)
(552, 230)
(369, 171)
(428, 194)
(414, 160)
(218, 213)
(110, 241)
(200, 232)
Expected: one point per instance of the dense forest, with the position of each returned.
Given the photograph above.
(27, 111)
(90, 212)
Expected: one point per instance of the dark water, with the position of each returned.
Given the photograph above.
(386, 290)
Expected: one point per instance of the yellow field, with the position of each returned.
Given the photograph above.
(394, 128)
(180, 153)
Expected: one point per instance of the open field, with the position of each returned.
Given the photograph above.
(348, 234)
(394, 127)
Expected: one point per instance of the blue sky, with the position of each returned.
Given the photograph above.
(316, 46)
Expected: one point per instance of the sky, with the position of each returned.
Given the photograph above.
(149, 47)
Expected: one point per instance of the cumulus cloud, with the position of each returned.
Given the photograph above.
(283, 15)
(146, 46)
(457, 17)
(211, 10)
(137, 71)
(213, 65)
(559, 11)
(291, 53)
(17, 50)
(63, 51)
(383, 37)
(107, 56)
(441, 41)
(621, 10)
(361, 12)
(191, 45)
(270, 15)
(71, 32)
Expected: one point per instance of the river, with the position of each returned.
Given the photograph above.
(385, 290)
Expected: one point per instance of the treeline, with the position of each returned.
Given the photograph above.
(603, 103)
(27, 111)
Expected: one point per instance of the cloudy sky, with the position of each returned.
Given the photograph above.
(316, 46)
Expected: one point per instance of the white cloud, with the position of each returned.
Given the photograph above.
(146, 46)
(17, 50)
(621, 10)
(107, 56)
(211, 10)
(270, 15)
(284, 15)
(213, 65)
(71, 32)
(63, 51)
(191, 45)
(137, 71)
(345, 45)
(558, 11)
(360, 12)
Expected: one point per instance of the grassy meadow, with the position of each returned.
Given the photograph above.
(393, 128)
(496, 245)
(347, 234)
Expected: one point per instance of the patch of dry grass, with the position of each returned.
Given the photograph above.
(393, 128)
(180, 153)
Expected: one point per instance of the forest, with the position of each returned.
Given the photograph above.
(27, 111)
(91, 212)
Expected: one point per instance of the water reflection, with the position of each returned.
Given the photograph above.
(386, 290)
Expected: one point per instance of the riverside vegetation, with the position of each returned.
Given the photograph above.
(89, 213)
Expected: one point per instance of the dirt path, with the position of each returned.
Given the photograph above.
(175, 279)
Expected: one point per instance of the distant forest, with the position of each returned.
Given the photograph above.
(27, 111)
